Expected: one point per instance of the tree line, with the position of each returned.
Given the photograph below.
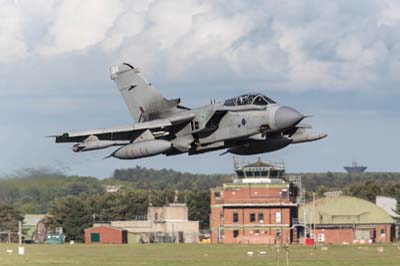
(75, 213)
(75, 202)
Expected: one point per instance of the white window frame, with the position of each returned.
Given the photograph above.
(278, 217)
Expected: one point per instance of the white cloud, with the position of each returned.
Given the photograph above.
(211, 38)
(129, 24)
(291, 45)
(265, 60)
(171, 20)
(80, 25)
(390, 13)
(12, 41)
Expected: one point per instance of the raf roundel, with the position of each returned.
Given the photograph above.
(243, 121)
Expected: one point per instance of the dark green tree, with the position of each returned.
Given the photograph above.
(198, 202)
(30, 208)
(367, 190)
(9, 217)
(73, 214)
(321, 190)
(397, 210)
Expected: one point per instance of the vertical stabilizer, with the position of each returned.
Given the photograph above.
(141, 98)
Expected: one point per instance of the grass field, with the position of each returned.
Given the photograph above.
(194, 255)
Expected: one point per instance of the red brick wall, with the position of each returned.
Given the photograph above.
(244, 215)
(335, 236)
(252, 195)
(264, 236)
(244, 221)
(382, 238)
(215, 221)
(214, 200)
(108, 235)
(339, 236)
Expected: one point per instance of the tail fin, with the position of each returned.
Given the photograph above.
(142, 99)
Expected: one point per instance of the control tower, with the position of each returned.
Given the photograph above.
(257, 207)
(355, 168)
(259, 172)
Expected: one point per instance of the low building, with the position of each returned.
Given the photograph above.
(33, 228)
(105, 234)
(256, 208)
(346, 220)
(167, 224)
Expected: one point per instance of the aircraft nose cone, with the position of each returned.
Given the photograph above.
(286, 117)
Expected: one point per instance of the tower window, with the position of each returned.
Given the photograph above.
(235, 217)
(260, 217)
(278, 217)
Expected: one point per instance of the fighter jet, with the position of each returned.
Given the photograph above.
(248, 124)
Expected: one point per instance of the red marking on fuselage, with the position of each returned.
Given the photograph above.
(141, 109)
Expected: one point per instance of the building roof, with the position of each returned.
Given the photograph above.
(343, 210)
(259, 164)
(33, 219)
(388, 204)
(256, 185)
(108, 226)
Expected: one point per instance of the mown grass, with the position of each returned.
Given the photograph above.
(196, 255)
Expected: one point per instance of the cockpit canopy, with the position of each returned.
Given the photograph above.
(250, 98)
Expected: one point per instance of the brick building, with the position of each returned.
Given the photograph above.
(345, 220)
(105, 234)
(257, 207)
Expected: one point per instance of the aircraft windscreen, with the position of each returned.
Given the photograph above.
(246, 99)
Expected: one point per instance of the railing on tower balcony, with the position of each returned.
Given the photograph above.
(257, 200)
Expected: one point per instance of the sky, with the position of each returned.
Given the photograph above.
(336, 60)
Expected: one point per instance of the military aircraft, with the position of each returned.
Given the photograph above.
(244, 125)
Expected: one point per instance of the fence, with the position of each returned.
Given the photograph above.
(8, 237)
